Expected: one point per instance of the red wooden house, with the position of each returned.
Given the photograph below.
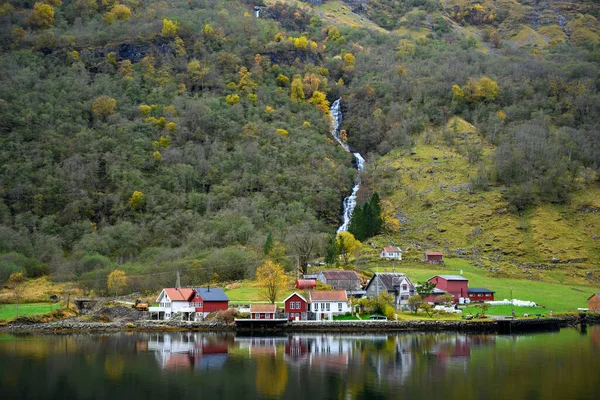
(456, 285)
(296, 307)
(262, 311)
(434, 257)
(209, 300)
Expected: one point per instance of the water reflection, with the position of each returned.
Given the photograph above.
(349, 366)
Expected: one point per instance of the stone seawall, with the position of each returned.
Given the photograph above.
(477, 326)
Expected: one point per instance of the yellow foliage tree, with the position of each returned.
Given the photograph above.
(405, 48)
(232, 99)
(208, 30)
(137, 200)
(301, 43)
(117, 281)
(297, 91)
(169, 28)
(390, 222)
(145, 109)
(347, 246)
(121, 12)
(320, 101)
(103, 106)
(271, 279)
(42, 16)
(282, 132)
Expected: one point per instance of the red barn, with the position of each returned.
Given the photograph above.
(306, 284)
(456, 285)
(262, 311)
(209, 300)
(296, 306)
(481, 294)
(434, 257)
(594, 302)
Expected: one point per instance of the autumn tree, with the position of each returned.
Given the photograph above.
(347, 245)
(169, 28)
(42, 16)
(297, 90)
(117, 281)
(271, 279)
(15, 284)
(104, 106)
(137, 200)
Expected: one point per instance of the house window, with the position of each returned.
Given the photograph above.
(292, 305)
(405, 287)
(297, 305)
(327, 306)
(340, 307)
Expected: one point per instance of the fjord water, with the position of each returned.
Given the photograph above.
(178, 365)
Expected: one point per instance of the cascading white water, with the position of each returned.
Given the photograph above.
(350, 201)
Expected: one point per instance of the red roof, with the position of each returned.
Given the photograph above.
(179, 294)
(434, 253)
(391, 249)
(328, 295)
(262, 308)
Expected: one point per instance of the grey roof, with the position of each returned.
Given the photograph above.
(388, 279)
(453, 277)
(341, 275)
(212, 294)
(480, 290)
(438, 291)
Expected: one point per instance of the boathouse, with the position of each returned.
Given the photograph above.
(263, 311)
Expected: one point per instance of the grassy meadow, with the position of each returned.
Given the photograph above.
(8, 311)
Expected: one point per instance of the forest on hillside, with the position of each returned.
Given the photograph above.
(182, 135)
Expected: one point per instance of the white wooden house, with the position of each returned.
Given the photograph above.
(391, 253)
(327, 303)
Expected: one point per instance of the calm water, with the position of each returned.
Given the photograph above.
(560, 365)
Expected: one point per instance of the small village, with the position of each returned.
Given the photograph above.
(338, 295)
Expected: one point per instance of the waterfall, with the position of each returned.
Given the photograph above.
(350, 201)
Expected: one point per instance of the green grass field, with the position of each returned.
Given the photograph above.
(8, 311)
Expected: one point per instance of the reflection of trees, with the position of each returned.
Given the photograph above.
(114, 366)
(271, 375)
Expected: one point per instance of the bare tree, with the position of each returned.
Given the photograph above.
(15, 284)
(305, 243)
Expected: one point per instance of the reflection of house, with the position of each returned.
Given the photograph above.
(260, 345)
(296, 348)
(296, 307)
(172, 351)
(434, 257)
(481, 294)
(327, 303)
(340, 280)
(263, 311)
(391, 253)
(456, 285)
(396, 284)
(594, 302)
(174, 300)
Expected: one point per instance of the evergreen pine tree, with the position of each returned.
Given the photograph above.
(268, 244)
(358, 224)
